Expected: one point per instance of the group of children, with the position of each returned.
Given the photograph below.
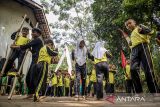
(63, 84)
(41, 57)
(41, 81)
(60, 84)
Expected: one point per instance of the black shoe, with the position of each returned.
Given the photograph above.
(35, 98)
(99, 99)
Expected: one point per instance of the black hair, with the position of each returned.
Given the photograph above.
(37, 30)
(25, 28)
(47, 41)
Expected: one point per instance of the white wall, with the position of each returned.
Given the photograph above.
(11, 14)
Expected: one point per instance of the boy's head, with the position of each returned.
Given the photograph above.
(81, 44)
(130, 24)
(59, 72)
(67, 75)
(36, 32)
(128, 61)
(25, 31)
(110, 66)
(113, 66)
(49, 42)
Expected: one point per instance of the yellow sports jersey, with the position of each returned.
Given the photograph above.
(54, 80)
(111, 77)
(93, 76)
(137, 38)
(67, 81)
(22, 40)
(44, 56)
(60, 81)
(103, 59)
(128, 72)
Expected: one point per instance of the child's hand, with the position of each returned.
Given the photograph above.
(123, 33)
(18, 30)
(139, 29)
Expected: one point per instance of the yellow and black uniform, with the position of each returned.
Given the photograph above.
(92, 81)
(60, 85)
(129, 83)
(54, 85)
(140, 54)
(93, 77)
(127, 72)
(35, 45)
(101, 67)
(48, 91)
(42, 68)
(72, 85)
(67, 85)
(138, 38)
(54, 79)
(110, 84)
(103, 59)
(11, 74)
(16, 53)
(111, 77)
(22, 40)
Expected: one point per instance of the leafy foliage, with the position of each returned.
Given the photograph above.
(109, 15)
(100, 20)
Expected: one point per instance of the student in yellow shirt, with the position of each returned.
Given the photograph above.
(87, 83)
(67, 84)
(128, 79)
(110, 84)
(49, 84)
(140, 54)
(92, 81)
(44, 59)
(17, 53)
(72, 83)
(100, 57)
(11, 74)
(34, 45)
(54, 84)
(60, 84)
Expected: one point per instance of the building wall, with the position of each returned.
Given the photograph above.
(11, 14)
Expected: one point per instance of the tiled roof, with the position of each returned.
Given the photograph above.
(39, 14)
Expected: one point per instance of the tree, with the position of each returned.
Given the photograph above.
(74, 19)
(109, 15)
